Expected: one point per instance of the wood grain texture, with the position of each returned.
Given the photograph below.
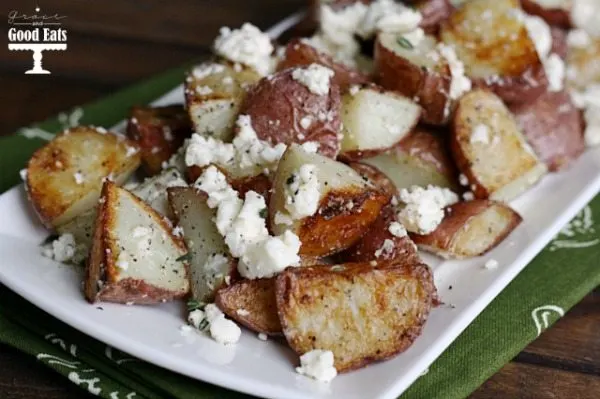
(116, 43)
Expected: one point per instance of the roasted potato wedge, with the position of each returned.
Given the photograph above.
(554, 128)
(417, 71)
(420, 159)
(583, 64)
(252, 304)
(375, 120)
(135, 256)
(385, 240)
(299, 52)
(347, 203)
(490, 149)
(490, 38)
(554, 13)
(470, 229)
(210, 264)
(378, 311)
(283, 110)
(376, 177)
(214, 93)
(64, 177)
(159, 132)
(153, 191)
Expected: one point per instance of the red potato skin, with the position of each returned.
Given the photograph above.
(553, 126)
(281, 98)
(517, 89)
(299, 53)
(371, 242)
(559, 42)
(429, 89)
(434, 12)
(376, 177)
(457, 216)
(553, 16)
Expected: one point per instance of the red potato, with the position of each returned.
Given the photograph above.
(376, 177)
(490, 150)
(347, 205)
(496, 49)
(379, 244)
(434, 12)
(470, 229)
(417, 72)
(379, 311)
(252, 304)
(553, 126)
(64, 177)
(135, 257)
(559, 42)
(420, 159)
(279, 106)
(159, 132)
(375, 120)
(300, 53)
(558, 15)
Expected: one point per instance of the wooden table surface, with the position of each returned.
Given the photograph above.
(114, 43)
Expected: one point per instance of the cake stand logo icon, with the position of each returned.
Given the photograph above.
(36, 32)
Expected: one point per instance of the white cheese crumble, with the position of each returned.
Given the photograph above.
(339, 26)
(247, 45)
(245, 231)
(222, 330)
(244, 152)
(555, 71)
(315, 77)
(388, 16)
(480, 134)
(203, 90)
(317, 364)
(397, 230)
(589, 100)
(78, 176)
(460, 83)
(424, 207)
(283, 218)
(242, 312)
(463, 180)
(302, 192)
(203, 70)
(23, 174)
(468, 196)
(386, 248)
(311, 146)
(578, 38)
(195, 317)
(354, 90)
(306, 121)
(585, 15)
(491, 264)
(262, 336)
(63, 249)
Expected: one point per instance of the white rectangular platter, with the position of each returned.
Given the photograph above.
(152, 333)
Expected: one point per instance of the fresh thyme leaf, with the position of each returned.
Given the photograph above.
(193, 304)
(263, 213)
(184, 258)
(404, 42)
(203, 326)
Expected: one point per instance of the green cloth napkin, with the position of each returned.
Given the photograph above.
(533, 301)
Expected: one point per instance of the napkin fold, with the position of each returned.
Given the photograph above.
(559, 277)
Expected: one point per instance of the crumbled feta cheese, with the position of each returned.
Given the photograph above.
(354, 90)
(247, 45)
(424, 207)
(315, 77)
(578, 38)
(178, 231)
(23, 174)
(317, 364)
(386, 248)
(245, 231)
(203, 90)
(388, 15)
(63, 249)
(207, 69)
(539, 32)
(468, 196)
(131, 151)
(302, 194)
(282, 218)
(202, 151)
(397, 230)
(555, 71)
(225, 331)
(339, 26)
(345, 53)
(262, 336)
(589, 100)
(415, 37)
(101, 130)
(463, 180)
(491, 264)
(460, 83)
(480, 134)
(78, 178)
(406, 21)
(311, 146)
(195, 317)
(306, 121)
(585, 15)
(242, 312)
(212, 312)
